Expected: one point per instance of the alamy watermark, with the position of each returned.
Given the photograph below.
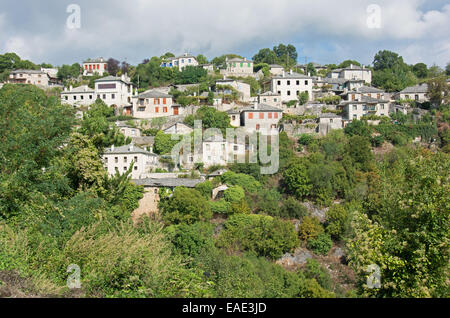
(74, 279)
(74, 19)
(374, 279)
(374, 16)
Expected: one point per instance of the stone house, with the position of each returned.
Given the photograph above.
(180, 61)
(154, 103)
(260, 117)
(290, 85)
(95, 66)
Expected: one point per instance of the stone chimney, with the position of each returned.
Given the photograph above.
(284, 73)
(309, 74)
(290, 71)
(351, 65)
(131, 147)
(112, 148)
(70, 88)
(255, 105)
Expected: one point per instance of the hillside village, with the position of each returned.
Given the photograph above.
(337, 126)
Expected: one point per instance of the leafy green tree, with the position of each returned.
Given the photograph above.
(347, 63)
(303, 97)
(201, 59)
(265, 56)
(447, 69)
(310, 228)
(264, 235)
(338, 221)
(66, 72)
(292, 208)
(164, 143)
(438, 91)
(321, 244)
(420, 70)
(191, 75)
(296, 180)
(185, 206)
(234, 194)
(310, 69)
(248, 183)
(191, 239)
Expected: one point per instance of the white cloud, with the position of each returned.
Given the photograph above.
(141, 29)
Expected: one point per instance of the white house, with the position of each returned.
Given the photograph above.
(128, 131)
(116, 92)
(243, 88)
(238, 67)
(276, 69)
(235, 117)
(260, 117)
(33, 77)
(180, 61)
(290, 85)
(178, 128)
(328, 122)
(417, 93)
(119, 159)
(364, 106)
(92, 66)
(79, 96)
(352, 72)
(217, 151)
(154, 103)
(270, 98)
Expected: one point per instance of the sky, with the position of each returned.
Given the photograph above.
(323, 31)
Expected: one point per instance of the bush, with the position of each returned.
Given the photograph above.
(337, 221)
(191, 239)
(205, 188)
(321, 244)
(316, 271)
(264, 235)
(293, 209)
(220, 207)
(234, 194)
(305, 139)
(185, 206)
(310, 228)
(248, 183)
(268, 201)
(377, 141)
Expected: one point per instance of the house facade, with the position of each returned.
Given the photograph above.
(417, 93)
(78, 96)
(270, 98)
(238, 67)
(180, 61)
(276, 69)
(178, 128)
(33, 77)
(260, 117)
(243, 88)
(119, 159)
(154, 103)
(218, 151)
(92, 66)
(352, 72)
(364, 106)
(290, 85)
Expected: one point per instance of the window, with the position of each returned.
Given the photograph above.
(270, 115)
(116, 159)
(297, 83)
(156, 109)
(355, 116)
(275, 99)
(242, 64)
(289, 82)
(106, 159)
(248, 64)
(250, 115)
(257, 126)
(235, 148)
(74, 97)
(164, 109)
(279, 92)
(355, 107)
(90, 96)
(353, 97)
(382, 106)
(104, 96)
(306, 82)
(279, 82)
(416, 97)
(289, 93)
(135, 168)
(208, 147)
(164, 101)
(136, 159)
(261, 115)
(189, 60)
(264, 99)
(124, 168)
(81, 97)
(66, 97)
(233, 117)
(275, 115)
(113, 96)
(125, 159)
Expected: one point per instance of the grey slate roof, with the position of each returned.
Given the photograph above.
(153, 93)
(238, 60)
(111, 78)
(233, 111)
(369, 89)
(128, 149)
(269, 93)
(144, 140)
(329, 115)
(27, 71)
(423, 88)
(294, 75)
(275, 66)
(96, 60)
(262, 107)
(167, 182)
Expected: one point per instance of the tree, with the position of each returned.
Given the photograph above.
(234, 194)
(387, 60)
(338, 221)
(420, 70)
(321, 244)
(447, 69)
(310, 228)
(113, 66)
(264, 235)
(201, 59)
(296, 181)
(164, 143)
(265, 56)
(438, 91)
(347, 63)
(191, 75)
(310, 69)
(66, 72)
(303, 97)
(185, 206)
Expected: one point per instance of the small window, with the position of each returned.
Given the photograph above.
(250, 115)
(74, 97)
(261, 115)
(135, 168)
(113, 96)
(279, 82)
(104, 96)
(82, 97)
(270, 115)
(289, 93)
(257, 126)
(125, 159)
(90, 96)
(67, 97)
(289, 82)
(116, 159)
(306, 82)
(297, 83)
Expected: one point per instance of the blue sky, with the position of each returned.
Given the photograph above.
(323, 31)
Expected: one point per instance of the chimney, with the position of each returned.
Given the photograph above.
(245, 59)
(131, 147)
(351, 65)
(70, 87)
(255, 105)
(284, 73)
(290, 71)
(309, 73)
(112, 148)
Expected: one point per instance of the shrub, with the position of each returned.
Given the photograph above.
(310, 228)
(191, 239)
(248, 183)
(321, 244)
(337, 221)
(220, 207)
(268, 201)
(264, 235)
(292, 208)
(305, 139)
(234, 194)
(314, 270)
(205, 188)
(377, 141)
